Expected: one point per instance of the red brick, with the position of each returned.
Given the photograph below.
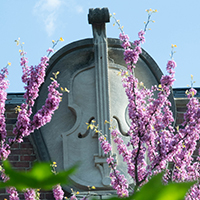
(180, 115)
(11, 115)
(179, 121)
(27, 158)
(26, 145)
(15, 146)
(9, 132)
(26, 139)
(22, 151)
(20, 164)
(11, 107)
(2, 191)
(181, 109)
(179, 118)
(13, 158)
(49, 196)
(9, 127)
(11, 121)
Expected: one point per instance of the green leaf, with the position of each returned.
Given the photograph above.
(40, 176)
(155, 190)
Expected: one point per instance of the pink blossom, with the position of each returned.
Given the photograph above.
(33, 77)
(73, 197)
(105, 145)
(30, 194)
(13, 193)
(58, 192)
(50, 50)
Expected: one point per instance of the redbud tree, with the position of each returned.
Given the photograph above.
(155, 145)
(33, 77)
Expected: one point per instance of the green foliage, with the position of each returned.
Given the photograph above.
(155, 190)
(40, 176)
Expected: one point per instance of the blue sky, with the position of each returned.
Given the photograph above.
(38, 22)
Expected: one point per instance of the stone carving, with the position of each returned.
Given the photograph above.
(89, 68)
(98, 16)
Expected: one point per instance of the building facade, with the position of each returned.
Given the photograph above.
(23, 155)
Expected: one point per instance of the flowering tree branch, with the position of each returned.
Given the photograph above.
(32, 77)
(154, 142)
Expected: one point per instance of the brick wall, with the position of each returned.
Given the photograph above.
(22, 155)
(180, 110)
